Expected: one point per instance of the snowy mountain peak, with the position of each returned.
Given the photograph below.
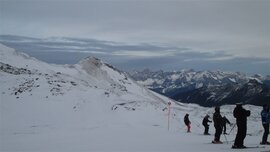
(92, 66)
(91, 60)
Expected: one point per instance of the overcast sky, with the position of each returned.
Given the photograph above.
(226, 30)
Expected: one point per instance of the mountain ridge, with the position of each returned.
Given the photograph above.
(206, 88)
(89, 74)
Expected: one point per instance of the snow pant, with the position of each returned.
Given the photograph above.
(188, 127)
(218, 132)
(206, 129)
(241, 135)
(266, 132)
(224, 129)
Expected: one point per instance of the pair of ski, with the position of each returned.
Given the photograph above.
(246, 147)
(249, 147)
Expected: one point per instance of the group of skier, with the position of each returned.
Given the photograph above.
(241, 115)
(219, 122)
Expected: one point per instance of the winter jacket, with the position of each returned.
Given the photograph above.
(225, 120)
(217, 118)
(205, 121)
(186, 120)
(241, 115)
(265, 114)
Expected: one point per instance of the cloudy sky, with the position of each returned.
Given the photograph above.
(230, 35)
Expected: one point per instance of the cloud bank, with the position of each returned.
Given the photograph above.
(134, 56)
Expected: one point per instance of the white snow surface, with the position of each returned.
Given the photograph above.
(92, 107)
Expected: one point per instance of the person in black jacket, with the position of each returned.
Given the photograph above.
(224, 122)
(205, 124)
(217, 118)
(241, 115)
(187, 122)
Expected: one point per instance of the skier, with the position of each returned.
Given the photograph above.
(205, 124)
(265, 114)
(224, 122)
(217, 118)
(241, 115)
(187, 122)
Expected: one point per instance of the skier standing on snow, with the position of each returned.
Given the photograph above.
(217, 118)
(265, 114)
(205, 124)
(224, 122)
(187, 122)
(241, 115)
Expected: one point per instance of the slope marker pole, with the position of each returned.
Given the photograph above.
(169, 113)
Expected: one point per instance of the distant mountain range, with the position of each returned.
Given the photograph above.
(207, 88)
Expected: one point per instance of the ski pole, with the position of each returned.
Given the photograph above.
(169, 111)
(197, 123)
(232, 129)
(226, 139)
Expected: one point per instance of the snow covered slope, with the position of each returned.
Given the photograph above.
(92, 106)
(26, 81)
